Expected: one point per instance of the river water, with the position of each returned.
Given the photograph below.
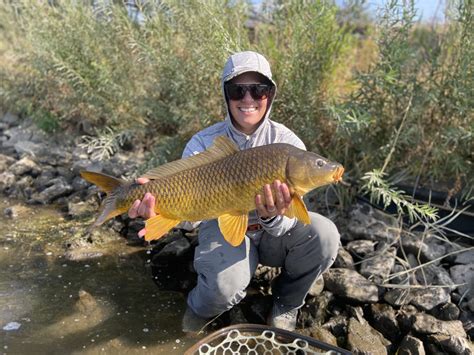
(107, 304)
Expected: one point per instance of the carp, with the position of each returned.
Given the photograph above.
(220, 183)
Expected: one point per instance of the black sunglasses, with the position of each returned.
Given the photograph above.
(257, 91)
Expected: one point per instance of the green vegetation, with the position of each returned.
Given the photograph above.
(394, 101)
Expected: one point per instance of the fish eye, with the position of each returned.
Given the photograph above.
(320, 162)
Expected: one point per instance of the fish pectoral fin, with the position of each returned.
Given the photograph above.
(233, 227)
(158, 226)
(297, 209)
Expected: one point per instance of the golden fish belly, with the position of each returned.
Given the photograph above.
(228, 185)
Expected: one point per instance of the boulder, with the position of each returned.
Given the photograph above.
(427, 324)
(464, 274)
(7, 180)
(361, 248)
(350, 284)
(465, 257)
(411, 346)
(363, 339)
(25, 166)
(446, 311)
(366, 222)
(317, 287)
(429, 247)
(385, 320)
(5, 162)
(344, 260)
(58, 188)
(175, 248)
(452, 344)
(429, 297)
(323, 335)
(315, 310)
(337, 325)
(378, 267)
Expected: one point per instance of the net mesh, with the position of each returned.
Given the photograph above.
(266, 343)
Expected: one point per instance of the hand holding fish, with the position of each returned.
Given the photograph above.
(272, 208)
(144, 208)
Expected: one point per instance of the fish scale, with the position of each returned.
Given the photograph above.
(206, 191)
(221, 183)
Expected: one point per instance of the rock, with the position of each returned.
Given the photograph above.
(237, 316)
(385, 320)
(434, 275)
(55, 156)
(465, 257)
(363, 339)
(361, 248)
(446, 311)
(176, 248)
(378, 267)
(81, 209)
(344, 260)
(85, 164)
(350, 284)
(315, 310)
(411, 346)
(470, 304)
(467, 320)
(5, 162)
(25, 166)
(29, 148)
(429, 297)
(11, 119)
(323, 335)
(317, 287)
(429, 247)
(397, 297)
(58, 188)
(337, 325)
(452, 344)
(267, 273)
(79, 184)
(464, 273)
(366, 222)
(427, 324)
(7, 180)
(86, 303)
(43, 180)
(406, 317)
(15, 211)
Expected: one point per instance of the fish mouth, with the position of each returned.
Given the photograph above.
(338, 174)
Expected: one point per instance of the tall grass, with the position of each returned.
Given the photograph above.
(412, 111)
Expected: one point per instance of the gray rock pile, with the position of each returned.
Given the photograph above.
(389, 291)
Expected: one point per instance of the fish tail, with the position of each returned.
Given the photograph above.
(110, 185)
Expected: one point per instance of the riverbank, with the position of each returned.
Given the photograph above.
(390, 289)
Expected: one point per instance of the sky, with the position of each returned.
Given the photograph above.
(426, 9)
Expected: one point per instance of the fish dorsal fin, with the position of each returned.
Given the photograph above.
(297, 209)
(158, 226)
(220, 148)
(233, 227)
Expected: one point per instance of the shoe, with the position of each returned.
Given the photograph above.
(283, 317)
(192, 323)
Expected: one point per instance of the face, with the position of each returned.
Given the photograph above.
(247, 112)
